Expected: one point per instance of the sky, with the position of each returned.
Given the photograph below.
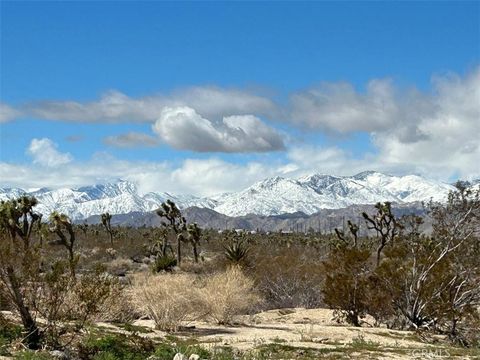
(209, 97)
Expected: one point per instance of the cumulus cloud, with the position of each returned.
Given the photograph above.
(8, 113)
(434, 133)
(183, 128)
(449, 144)
(131, 139)
(339, 108)
(114, 106)
(44, 152)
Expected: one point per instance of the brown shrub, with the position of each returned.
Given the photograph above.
(227, 294)
(118, 306)
(289, 278)
(168, 299)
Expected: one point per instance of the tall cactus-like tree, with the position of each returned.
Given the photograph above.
(194, 237)
(58, 224)
(353, 229)
(385, 224)
(106, 222)
(176, 222)
(17, 220)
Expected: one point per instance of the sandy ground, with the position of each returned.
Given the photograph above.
(297, 327)
(302, 328)
(309, 328)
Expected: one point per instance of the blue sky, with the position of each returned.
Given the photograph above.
(144, 88)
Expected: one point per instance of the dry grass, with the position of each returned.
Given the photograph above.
(168, 299)
(227, 294)
(171, 299)
(118, 306)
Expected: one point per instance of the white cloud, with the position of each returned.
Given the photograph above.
(434, 133)
(183, 128)
(131, 139)
(214, 176)
(193, 176)
(114, 106)
(449, 144)
(8, 113)
(44, 152)
(338, 107)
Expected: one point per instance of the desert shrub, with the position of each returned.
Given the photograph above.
(168, 299)
(289, 278)
(120, 266)
(227, 294)
(346, 284)
(117, 307)
(67, 304)
(164, 263)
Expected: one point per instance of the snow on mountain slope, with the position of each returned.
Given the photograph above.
(311, 193)
(272, 196)
(120, 197)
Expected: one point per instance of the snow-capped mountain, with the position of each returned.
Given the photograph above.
(311, 193)
(120, 197)
(272, 196)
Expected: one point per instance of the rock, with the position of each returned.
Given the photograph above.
(194, 357)
(286, 311)
(153, 357)
(57, 354)
(179, 356)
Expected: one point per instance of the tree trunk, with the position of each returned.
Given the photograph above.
(379, 252)
(195, 252)
(179, 249)
(32, 339)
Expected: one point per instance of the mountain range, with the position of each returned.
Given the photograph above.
(272, 196)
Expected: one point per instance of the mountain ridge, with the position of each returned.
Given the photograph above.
(272, 196)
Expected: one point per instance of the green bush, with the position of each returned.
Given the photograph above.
(116, 347)
(33, 355)
(164, 263)
(8, 333)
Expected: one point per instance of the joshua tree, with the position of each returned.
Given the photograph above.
(106, 218)
(59, 223)
(18, 263)
(176, 222)
(384, 223)
(353, 228)
(194, 236)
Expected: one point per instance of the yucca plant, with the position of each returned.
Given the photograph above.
(236, 247)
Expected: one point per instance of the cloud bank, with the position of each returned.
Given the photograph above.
(433, 133)
(116, 107)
